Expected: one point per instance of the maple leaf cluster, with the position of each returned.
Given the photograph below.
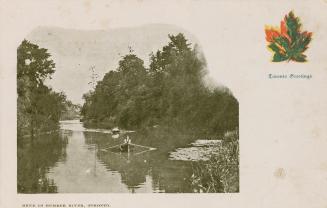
(288, 43)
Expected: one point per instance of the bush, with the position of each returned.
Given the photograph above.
(221, 172)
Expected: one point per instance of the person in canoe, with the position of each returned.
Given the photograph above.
(125, 146)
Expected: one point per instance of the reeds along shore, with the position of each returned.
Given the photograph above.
(221, 172)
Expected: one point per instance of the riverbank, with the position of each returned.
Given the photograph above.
(195, 132)
(221, 172)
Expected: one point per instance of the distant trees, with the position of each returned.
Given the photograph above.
(170, 92)
(38, 106)
(70, 111)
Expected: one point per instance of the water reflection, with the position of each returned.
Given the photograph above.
(152, 168)
(78, 161)
(133, 170)
(34, 160)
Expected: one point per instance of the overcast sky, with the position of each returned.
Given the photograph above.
(76, 51)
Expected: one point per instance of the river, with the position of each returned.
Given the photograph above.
(79, 160)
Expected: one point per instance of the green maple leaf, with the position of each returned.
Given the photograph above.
(290, 43)
(293, 26)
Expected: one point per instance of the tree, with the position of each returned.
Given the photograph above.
(39, 107)
(33, 65)
(171, 93)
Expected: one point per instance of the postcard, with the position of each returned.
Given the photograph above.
(163, 103)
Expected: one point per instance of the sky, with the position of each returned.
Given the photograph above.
(75, 52)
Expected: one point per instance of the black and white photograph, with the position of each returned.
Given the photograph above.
(126, 110)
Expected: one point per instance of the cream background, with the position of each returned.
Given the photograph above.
(283, 135)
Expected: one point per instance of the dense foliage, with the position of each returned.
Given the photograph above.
(221, 172)
(170, 92)
(38, 107)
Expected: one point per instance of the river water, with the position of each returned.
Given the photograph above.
(79, 160)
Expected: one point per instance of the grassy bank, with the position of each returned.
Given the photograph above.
(221, 172)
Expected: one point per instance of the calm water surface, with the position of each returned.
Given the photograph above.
(77, 160)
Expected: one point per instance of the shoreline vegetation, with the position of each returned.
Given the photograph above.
(221, 172)
(39, 108)
(169, 94)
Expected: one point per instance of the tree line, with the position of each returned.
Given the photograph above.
(170, 92)
(39, 108)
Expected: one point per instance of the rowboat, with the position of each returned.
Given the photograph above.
(126, 147)
(129, 148)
